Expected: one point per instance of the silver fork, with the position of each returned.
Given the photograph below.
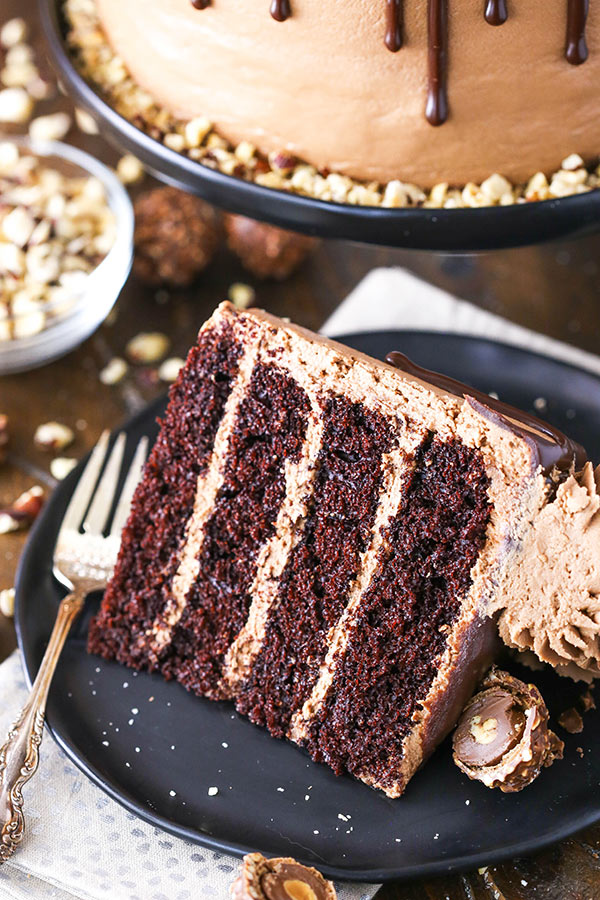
(83, 562)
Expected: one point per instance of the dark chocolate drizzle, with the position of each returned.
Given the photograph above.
(436, 109)
(576, 51)
(280, 10)
(496, 12)
(393, 27)
(552, 447)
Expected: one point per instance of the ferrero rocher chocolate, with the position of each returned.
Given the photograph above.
(280, 879)
(502, 738)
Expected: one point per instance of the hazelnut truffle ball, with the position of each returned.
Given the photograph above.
(266, 251)
(280, 879)
(176, 237)
(502, 738)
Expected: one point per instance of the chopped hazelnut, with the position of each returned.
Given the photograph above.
(13, 32)
(170, 368)
(16, 106)
(129, 169)
(7, 602)
(114, 371)
(147, 347)
(61, 466)
(50, 128)
(86, 122)
(53, 436)
(241, 295)
(23, 512)
(196, 130)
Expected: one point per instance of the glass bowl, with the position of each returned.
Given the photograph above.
(68, 327)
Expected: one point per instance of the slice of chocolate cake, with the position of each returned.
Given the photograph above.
(331, 542)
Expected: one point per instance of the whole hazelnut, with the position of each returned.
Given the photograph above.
(176, 237)
(266, 251)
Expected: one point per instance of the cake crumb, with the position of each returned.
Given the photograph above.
(571, 720)
(579, 750)
(540, 403)
(213, 791)
(587, 701)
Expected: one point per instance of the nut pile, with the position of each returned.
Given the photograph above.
(197, 139)
(54, 230)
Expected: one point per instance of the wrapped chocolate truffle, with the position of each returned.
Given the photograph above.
(502, 738)
(176, 237)
(280, 879)
(264, 250)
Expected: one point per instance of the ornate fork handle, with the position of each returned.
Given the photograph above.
(19, 756)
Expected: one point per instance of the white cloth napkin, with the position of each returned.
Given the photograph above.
(80, 843)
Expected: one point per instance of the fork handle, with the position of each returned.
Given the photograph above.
(19, 756)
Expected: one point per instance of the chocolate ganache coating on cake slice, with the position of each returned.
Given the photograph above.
(280, 879)
(553, 448)
(502, 738)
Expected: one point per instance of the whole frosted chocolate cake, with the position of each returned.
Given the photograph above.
(373, 102)
(332, 542)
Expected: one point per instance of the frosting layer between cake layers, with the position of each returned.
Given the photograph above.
(322, 539)
(323, 84)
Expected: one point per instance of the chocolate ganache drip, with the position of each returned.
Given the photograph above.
(496, 12)
(576, 51)
(436, 110)
(280, 10)
(393, 28)
(553, 448)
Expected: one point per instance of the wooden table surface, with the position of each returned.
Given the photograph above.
(554, 289)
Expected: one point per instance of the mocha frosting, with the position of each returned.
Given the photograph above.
(318, 80)
(549, 598)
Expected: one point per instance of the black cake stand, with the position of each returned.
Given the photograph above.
(462, 230)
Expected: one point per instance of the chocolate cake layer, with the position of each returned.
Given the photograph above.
(315, 584)
(269, 430)
(406, 615)
(149, 555)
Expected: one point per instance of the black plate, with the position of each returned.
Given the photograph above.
(425, 229)
(443, 822)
